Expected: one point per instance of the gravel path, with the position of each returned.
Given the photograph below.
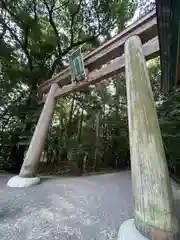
(88, 208)
(85, 208)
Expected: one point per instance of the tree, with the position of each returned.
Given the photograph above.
(168, 109)
(35, 37)
(146, 6)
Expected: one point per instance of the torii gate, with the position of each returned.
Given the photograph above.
(154, 216)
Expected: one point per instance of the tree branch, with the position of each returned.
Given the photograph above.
(35, 9)
(26, 34)
(64, 4)
(13, 34)
(55, 63)
(4, 6)
(72, 21)
(78, 43)
(50, 12)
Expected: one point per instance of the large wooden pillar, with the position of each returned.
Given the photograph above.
(31, 160)
(154, 214)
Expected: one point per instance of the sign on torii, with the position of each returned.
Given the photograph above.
(76, 65)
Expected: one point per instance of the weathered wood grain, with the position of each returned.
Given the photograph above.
(35, 149)
(153, 201)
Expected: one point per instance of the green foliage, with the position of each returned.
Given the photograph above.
(74, 135)
(146, 6)
(112, 148)
(169, 116)
(35, 37)
(168, 109)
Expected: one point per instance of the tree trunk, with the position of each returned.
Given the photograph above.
(80, 128)
(64, 152)
(79, 134)
(97, 126)
(84, 162)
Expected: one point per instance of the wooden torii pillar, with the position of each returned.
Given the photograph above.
(154, 213)
(27, 176)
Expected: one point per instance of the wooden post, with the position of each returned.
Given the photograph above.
(154, 214)
(35, 149)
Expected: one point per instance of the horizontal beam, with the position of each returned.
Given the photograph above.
(145, 27)
(150, 49)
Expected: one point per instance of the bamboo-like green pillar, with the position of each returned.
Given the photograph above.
(154, 215)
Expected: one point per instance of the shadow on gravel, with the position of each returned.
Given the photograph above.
(9, 212)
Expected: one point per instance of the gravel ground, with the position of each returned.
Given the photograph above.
(85, 208)
(88, 208)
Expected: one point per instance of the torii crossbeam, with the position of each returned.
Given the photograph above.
(108, 59)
